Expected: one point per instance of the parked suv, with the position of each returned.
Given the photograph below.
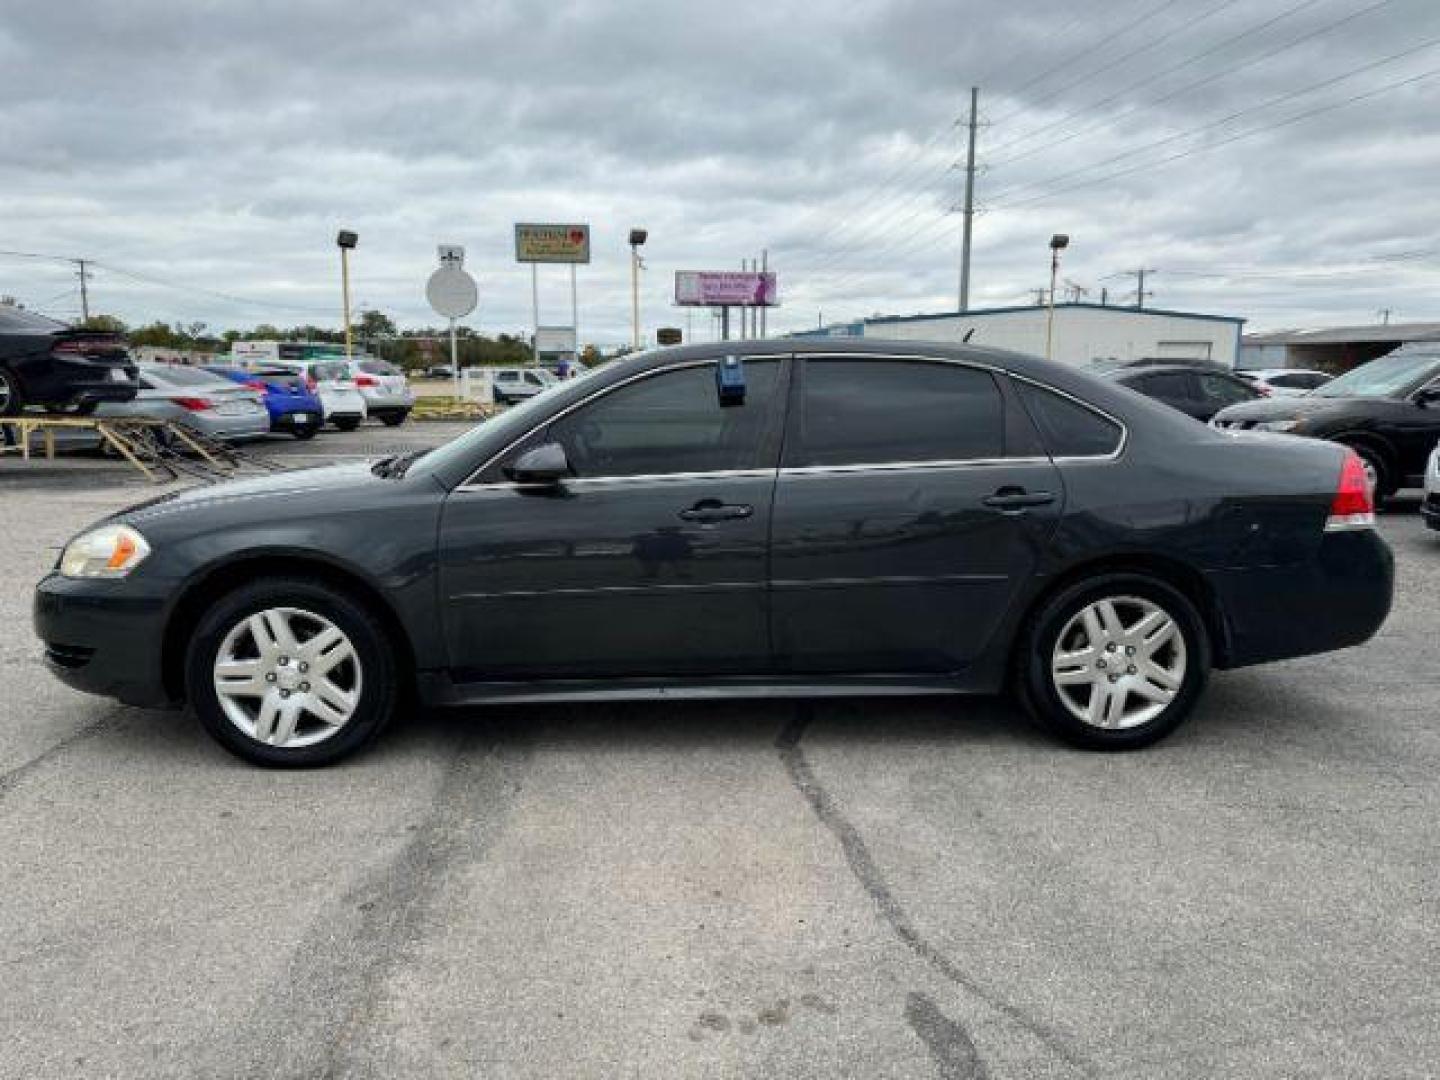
(517, 384)
(1387, 411)
(385, 389)
(45, 363)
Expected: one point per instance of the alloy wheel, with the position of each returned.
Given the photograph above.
(1119, 662)
(287, 677)
(7, 393)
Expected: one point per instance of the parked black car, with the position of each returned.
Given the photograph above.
(1196, 391)
(45, 363)
(1387, 411)
(751, 519)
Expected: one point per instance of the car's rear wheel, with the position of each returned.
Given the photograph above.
(347, 423)
(1115, 662)
(285, 672)
(307, 432)
(394, 419)
(12, 400)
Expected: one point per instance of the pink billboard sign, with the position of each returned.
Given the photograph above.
(700, 288)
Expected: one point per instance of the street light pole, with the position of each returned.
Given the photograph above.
(1058, 243)
(637, 237)
(346, 240)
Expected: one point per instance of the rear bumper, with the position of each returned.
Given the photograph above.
(1339, 599)
(102, 637)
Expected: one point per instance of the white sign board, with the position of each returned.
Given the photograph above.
(555, 339)
(452, 292)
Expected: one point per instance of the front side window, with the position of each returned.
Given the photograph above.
(879, 412)
(671, 422)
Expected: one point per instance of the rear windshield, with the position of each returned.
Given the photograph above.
(183, 376)
(378, 367)
(15, 320)
(329, 371)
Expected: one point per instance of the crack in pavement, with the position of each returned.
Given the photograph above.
(867, 873)
(949, 1044)
(10, 780)
(335, 983)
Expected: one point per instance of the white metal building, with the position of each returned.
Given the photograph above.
(1083, 332)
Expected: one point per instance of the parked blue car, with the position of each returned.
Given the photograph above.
(293, 405)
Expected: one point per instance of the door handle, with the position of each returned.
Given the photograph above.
(708, 510)
(1017, 498)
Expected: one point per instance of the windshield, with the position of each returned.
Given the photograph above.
(1390, 376)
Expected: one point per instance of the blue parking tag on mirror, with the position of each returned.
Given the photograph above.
(730, 381)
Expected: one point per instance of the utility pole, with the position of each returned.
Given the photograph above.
(1385, 316)
(1140, 293)
(84, 292)
(969, 211)
(764, 269)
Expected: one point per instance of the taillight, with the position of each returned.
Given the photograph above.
(256, 384)
(194, 404)
(85, 347)
(1264, 391)
(365, 380)
(1354, 504)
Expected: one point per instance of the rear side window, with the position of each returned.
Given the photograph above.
(878, 412)
(1170, 385)
(1069, 428)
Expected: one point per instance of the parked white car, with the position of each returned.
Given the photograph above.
(385, 388)
(1430, 508)
(333, 382)
(517, 384)
(1285, 382)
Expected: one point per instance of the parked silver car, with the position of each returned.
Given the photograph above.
(1430, 507)
(208, 403)
(385, 389)
(1285, 382)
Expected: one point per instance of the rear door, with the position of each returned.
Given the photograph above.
(907, 515)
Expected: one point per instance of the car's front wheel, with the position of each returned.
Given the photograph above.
(1115, 662)
(12, 401)
(286, 672)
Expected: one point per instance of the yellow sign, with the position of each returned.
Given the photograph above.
(552, 243)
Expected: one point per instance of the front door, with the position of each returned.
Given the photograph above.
(650, 561)
(902, 529)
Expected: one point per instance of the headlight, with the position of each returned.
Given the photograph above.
(1277, 425)
(110, 551)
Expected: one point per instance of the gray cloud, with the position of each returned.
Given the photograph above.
(217, 146)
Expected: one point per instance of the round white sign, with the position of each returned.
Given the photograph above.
(452, 292)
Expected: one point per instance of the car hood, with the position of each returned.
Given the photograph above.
(1288, 408)
(296, 485)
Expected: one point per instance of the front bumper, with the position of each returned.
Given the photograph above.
(1430, 509)
(1336, 600)
(103, 637)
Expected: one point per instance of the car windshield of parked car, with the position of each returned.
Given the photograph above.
(1386, 377)
(378, 367)
(329, 371)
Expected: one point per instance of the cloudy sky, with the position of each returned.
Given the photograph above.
(1275, 159)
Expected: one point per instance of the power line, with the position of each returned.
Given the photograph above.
(1003, 198)
(1101, 121)
(1105, 42)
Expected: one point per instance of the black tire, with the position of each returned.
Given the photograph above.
(1386, 483)
(1043, 699)
(394, 419)
(347, 423)
(12, 397)
(307, 432)
(379, 688)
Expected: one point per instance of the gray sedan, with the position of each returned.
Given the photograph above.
(207, 403)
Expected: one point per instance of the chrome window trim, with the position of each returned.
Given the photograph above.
(470, 484)
(1070, 458)
(911, 466)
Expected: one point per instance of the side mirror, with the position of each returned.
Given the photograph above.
(543, 464)
(1426, 396)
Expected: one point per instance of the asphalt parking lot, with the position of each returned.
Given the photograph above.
(867, 889)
